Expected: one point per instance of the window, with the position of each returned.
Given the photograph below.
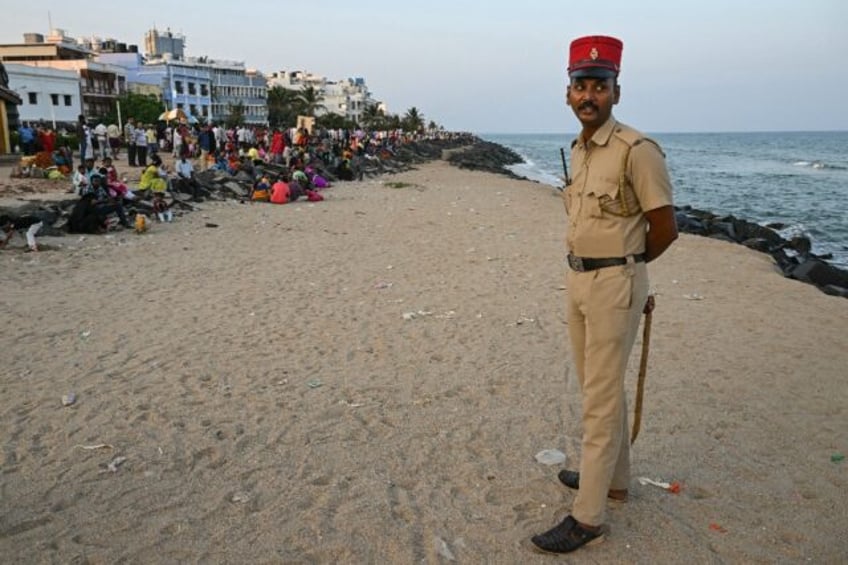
(178, 86)
(67, 100)
(192, 89)
(204, 90)
(54, 98)
(205, 110)
(33, 97)
(180, 105)
(192, 109)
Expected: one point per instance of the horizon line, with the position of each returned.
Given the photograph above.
(674, 132)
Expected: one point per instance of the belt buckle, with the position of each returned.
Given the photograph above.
(576, 263)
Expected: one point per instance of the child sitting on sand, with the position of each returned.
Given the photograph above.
(161, 207)
(116, 187)
(80, 180)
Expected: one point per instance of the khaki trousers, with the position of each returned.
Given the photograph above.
(604, 309)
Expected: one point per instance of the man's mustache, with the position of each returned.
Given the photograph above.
(587, 106)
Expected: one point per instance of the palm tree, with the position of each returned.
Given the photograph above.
(283, 107)
(373, 117)
(413, 120)
(311, 100)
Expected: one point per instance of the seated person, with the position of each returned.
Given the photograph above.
(115, 186)
(344, 171)
(103, 202)
(185, 181)
(220, 163)
(253, 155)
(90, 169)
(319, 182)
(296, 190)
(299, 176)
(85, 218)
(152, 178)
(261, 191)
(80, 180)
(62, 161)
(161, 207)
(280, 190)
(233, 163)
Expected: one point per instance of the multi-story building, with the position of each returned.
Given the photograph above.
(159, 44)
(48, 95)
(234, 85)
(206, 89)
(100, 84)
(296, 80)
(348, 97)
(185, 84)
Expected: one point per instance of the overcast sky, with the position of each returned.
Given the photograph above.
(493, 66)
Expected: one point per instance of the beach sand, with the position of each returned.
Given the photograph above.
(368, 379)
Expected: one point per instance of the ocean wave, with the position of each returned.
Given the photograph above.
(818, 165)
(794, 179)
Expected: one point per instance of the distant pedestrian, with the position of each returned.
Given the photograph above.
(129, 139)
(140, 134)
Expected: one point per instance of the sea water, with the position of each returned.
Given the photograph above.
(799, 179)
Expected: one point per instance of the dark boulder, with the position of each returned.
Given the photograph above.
(757, 244)
(819, 273)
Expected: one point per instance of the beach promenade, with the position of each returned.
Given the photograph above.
(368, 379)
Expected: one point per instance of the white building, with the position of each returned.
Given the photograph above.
(348, 97)
(49, 95)
(296, 80)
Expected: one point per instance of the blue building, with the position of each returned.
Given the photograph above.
(184, 84)
(207, 89)
(233, 85)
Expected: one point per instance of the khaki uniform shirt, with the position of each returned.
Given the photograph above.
(597, 165)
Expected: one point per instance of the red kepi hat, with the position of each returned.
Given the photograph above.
(596, 56)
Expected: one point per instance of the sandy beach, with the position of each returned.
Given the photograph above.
(368, 379)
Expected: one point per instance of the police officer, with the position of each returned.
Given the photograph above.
(620, 217)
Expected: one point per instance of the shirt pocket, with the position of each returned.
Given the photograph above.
(619, 199)
(599, 197)
(613, 201)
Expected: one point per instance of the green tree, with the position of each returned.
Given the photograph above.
(282, 107)
(413, 120)
(393, 121)
(145, 108)
(331, 120)
(373, 117)
(311, 100)
(236, 116)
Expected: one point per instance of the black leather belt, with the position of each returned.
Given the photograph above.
(583, 264)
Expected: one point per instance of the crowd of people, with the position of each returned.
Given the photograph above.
(283, 164)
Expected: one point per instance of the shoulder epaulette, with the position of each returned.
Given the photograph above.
(633, 137)
(628, 135)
